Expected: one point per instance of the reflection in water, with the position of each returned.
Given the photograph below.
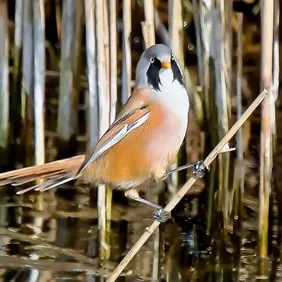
(179, 251)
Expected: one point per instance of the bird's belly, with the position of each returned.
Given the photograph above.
(167, 140)
(134, 159)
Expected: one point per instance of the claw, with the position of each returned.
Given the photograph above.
(161, 215)
(200, 169)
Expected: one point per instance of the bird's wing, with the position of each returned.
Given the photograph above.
(134, 113)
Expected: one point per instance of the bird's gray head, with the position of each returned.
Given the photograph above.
(154, 61)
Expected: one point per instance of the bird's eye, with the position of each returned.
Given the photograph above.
(172, 58)
(152, 60)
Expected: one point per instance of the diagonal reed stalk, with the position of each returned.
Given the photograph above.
(266, 152)
(39, 80)
(182, 192)
(4, 83)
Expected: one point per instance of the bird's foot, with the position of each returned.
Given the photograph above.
(200, 169)
(161, 215)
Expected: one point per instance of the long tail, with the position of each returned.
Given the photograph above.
(53, 174)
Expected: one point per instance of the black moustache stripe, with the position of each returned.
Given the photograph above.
(153, 74)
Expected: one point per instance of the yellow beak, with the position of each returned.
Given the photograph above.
(166, 65)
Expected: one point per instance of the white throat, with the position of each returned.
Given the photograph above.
(172, 94)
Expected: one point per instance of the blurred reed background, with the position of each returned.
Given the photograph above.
(66, 68)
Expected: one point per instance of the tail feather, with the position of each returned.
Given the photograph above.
(53, 174)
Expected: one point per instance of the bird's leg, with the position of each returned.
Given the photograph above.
(159, 214)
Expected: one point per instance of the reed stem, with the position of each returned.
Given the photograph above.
(92, 97)
(175, 33)
(39, 80)
(28, 84)
(126, 60)
(266, 152)
(66, 122)
(4, 83)
(16, 99)
(104, 115)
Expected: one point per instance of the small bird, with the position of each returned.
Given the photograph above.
(139, 145)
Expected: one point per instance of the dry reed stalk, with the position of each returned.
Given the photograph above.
(113, 58)
(160, 28)
(92, 97)
(203, 11)
(66, 123)
(126, 60)
(182, 192)
(275, 76)
(28, 83)
(16, 103)
(4, 82)
(109, 191)
(149, 22)
(221, 54)
(104, 116)
(239, 165)
(59, 19)
(266, 152)
(197, 22)
(175, 32)
(39, 80)
(76, 51)
(149, 37)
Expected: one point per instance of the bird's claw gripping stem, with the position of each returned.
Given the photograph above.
(200, 169)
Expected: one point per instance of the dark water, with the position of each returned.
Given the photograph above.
(179, 251)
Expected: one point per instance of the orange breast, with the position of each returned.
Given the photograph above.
(131, 161)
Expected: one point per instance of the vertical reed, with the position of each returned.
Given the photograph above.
(204, 20)
(66, 121)
(16, 103)
(239, 166)
(104, 116)
(160, 28)
(266, 152)
(28, 82)
(126, 60)
(113, 99)
(39, 79)
(92, 97)
(175, 33)
(4, 82)
(223, 70)
(275, 76)
(113, 58)
(76, 50)
(149, 23)
(109, 192)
